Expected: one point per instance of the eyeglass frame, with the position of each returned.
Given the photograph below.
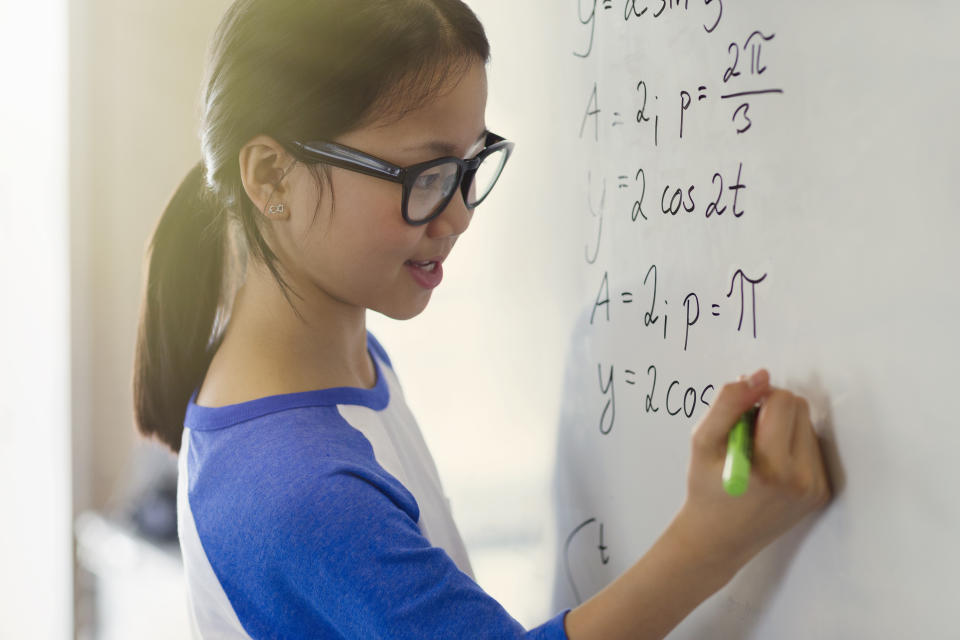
(351, 159)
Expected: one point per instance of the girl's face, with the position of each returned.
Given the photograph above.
(359, 251)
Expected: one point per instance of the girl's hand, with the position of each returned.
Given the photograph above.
(787, 477)
(715, 534)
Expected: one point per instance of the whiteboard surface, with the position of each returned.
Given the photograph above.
(845, 220)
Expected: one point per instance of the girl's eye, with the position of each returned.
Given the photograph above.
(442, 178)
(428, 180)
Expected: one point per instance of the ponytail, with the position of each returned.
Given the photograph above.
(176, 340)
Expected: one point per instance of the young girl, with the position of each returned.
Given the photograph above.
(344, 150)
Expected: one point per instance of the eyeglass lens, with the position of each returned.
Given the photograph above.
(433, 187)
(430, 189)
(486, 176)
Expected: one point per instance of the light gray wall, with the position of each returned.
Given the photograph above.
(135, 77)
(34, 331)
(135, 71)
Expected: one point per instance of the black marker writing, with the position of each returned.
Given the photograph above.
(610, 407)
(753, 291)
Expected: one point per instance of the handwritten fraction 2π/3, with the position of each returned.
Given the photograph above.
(738, 71)
(743, 293)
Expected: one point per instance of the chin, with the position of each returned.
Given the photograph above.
(404, 311)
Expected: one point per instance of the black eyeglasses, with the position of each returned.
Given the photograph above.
(428, 186)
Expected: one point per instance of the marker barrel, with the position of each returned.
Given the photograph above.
(736, 467)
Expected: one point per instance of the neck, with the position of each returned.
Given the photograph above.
(325, 345)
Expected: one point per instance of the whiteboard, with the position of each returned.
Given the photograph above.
(805, 221)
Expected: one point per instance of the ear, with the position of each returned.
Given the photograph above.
(263, 165)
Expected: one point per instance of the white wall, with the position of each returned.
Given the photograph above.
(35, 551)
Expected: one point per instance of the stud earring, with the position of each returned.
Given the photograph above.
(276, 209)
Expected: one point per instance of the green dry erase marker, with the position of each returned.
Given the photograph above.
(736, 468)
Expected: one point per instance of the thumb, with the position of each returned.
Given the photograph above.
(734, 398)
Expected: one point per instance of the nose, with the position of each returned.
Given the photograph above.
(453, 221)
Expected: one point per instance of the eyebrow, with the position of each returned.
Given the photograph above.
(445, 148)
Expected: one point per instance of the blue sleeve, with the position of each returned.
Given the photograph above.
(350, 562)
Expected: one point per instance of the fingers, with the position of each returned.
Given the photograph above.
(813, 482)
(776, 426)
(734, 398)
(787, 450)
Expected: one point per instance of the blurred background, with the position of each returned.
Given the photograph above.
(99, 123)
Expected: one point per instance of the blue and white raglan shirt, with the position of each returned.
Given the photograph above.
(321, 515)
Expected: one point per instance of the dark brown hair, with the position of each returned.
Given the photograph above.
(289, 69)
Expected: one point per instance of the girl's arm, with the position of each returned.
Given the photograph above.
(714, 535)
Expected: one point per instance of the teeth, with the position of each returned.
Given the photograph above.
(430, 266)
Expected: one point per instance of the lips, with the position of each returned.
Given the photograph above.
(427, 273)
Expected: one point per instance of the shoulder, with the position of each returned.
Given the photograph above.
(291, 490)
(281, 461)
(291, 526)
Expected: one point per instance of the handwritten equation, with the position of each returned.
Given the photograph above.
(722, 197)
(709, 11)
(742, 291)
(729, 93)
(676, 398)
(671, 98)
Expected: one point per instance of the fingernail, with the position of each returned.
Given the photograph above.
(757, 379)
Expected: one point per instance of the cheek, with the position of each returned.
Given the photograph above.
(367, 216)
(364, 245)
(356, 246)
(360, 195)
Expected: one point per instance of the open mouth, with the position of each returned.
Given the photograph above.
(428, 265)
(426, 273)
